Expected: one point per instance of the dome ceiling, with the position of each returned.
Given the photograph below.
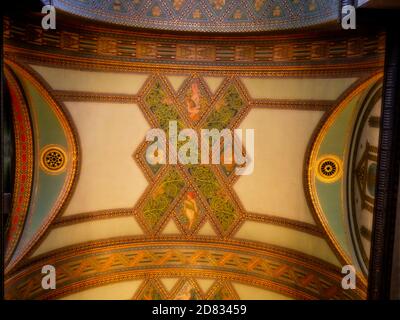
(206, 15)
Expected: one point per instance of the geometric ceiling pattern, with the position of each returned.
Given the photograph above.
(206, 15)
(115, 226)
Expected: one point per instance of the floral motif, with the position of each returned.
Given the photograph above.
(258, 4)
(177, 4)
(225, 110)
(161, 198)
(156, 11)
(216, 196)
(161, 105)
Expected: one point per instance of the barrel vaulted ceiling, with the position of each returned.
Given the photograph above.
(206, 15)
(115, 227)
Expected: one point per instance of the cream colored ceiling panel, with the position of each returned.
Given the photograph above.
(116, 291)
(276, 185)
(89, 231)
(169, 283)
(297, 89)
(246, 292)
(287, 238)
(171, 228)
(92, 81)
(206, 230)
(109, 177)
(213, 83)
(176, 81)
(205, 284)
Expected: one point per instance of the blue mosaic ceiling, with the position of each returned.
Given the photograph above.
(206, 15)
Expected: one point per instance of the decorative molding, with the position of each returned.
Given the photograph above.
(94, 97)
(141, 48)
(90, 216)
(287, 223)
(280, 104)
(29, 56)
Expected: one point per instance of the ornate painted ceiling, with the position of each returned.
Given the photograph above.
(206, 15)
(115, 227)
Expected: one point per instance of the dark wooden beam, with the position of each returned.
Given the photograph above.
(382, 4)
(395, 285)
(383, 233)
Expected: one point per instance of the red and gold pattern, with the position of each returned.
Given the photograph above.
(23, 163)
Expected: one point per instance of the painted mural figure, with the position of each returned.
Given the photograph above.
(190, 209)
(186, 293)
(192, 102)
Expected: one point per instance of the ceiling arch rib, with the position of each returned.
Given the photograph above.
(279, 270)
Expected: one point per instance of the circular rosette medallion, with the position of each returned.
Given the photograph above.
(329, 169)
(53, 159)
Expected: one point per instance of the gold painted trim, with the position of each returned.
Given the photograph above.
(91, 216)
(283, 104)
(97, 63)
(67, 96)
(287, 223)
